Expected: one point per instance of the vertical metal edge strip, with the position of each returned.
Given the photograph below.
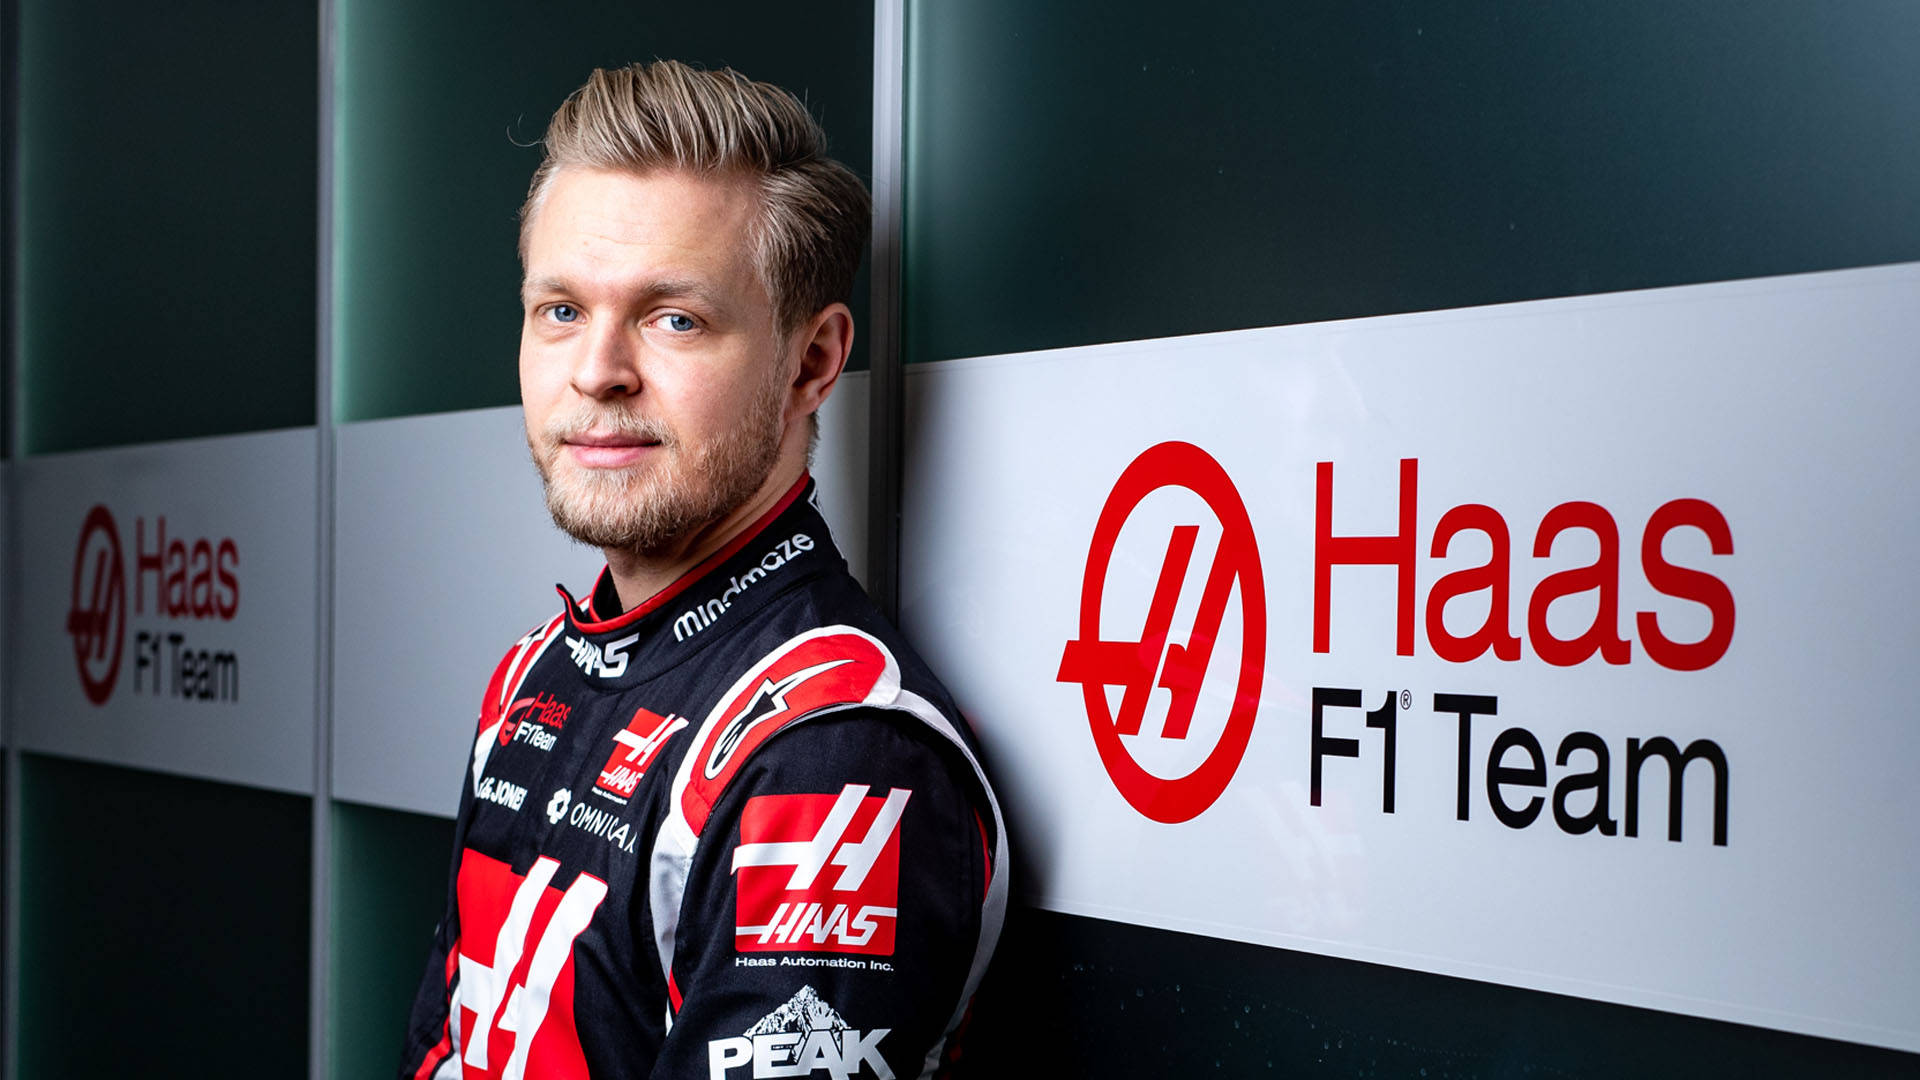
(320, 929)
(885, 401)
(10, 406)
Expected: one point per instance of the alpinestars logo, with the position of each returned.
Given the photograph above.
(787, 898)
(801, 1038)
(769, 700)
(608, 661)
(633, 750)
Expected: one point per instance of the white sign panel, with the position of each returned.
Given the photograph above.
(1560, 644)
(444, 555)
(166, 607)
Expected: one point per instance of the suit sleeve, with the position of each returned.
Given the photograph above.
(832, 908)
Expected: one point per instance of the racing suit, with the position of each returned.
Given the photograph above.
(738, 831)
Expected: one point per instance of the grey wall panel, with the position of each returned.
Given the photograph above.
(444, 556)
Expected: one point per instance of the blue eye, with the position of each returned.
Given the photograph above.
(679, 324)
(565, 313)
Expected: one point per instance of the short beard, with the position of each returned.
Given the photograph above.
(651, 509)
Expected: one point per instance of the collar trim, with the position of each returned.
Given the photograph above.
(583, 617)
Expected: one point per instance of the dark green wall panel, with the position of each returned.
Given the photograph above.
(164, 925)
(389, 892)
(1069, 996)
(438, 105)
(168, 169)
(1076, 177)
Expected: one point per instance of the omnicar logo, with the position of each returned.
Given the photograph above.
(1140, 663)
(1689, 628)
(184, 578)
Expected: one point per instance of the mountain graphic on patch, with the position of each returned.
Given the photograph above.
(804, 1012)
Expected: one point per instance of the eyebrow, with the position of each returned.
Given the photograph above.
(664, 288)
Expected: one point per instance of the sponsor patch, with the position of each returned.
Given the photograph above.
(819, 873)
(607, 661)
(633, 750)
(497, 791)
(533, 721)
(811, 672)
(802, 1038)
(700, 616)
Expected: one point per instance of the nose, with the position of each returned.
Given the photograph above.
(609, 364)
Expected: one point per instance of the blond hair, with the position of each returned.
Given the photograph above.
(815, 214)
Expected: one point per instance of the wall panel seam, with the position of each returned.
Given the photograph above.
(320, 902)
(884, 403)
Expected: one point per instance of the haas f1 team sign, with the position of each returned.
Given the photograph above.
(181, 636)
(1560, 644)
(1139, 666)
(174, 581)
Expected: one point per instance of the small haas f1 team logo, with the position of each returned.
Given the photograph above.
(634, 748)
(97, 617)
(1149, 661)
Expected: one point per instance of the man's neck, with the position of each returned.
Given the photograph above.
(637, 576)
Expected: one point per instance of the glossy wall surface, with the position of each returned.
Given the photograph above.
(166, 921)
(1074, 180)
(167, 228)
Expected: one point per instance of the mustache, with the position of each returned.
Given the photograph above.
(612, 421)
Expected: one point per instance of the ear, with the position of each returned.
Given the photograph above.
(825, 341)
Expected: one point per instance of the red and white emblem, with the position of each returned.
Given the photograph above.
(819, 873)
(817, 671)
(634, 749)
(515, 988)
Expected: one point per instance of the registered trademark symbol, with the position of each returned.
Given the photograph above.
(1406, 699)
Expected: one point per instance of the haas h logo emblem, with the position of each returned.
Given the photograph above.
(1151, 660)
(97, 618)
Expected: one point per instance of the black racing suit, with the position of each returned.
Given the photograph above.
(738, 831)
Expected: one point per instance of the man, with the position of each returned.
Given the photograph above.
(719, 821)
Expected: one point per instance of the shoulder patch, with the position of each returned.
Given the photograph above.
(817, 670)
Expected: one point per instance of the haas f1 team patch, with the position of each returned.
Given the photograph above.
(819, 873)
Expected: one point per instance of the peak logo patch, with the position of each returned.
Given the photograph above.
(801, 1038)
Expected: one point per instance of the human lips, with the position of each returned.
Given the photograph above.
(609, 450)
